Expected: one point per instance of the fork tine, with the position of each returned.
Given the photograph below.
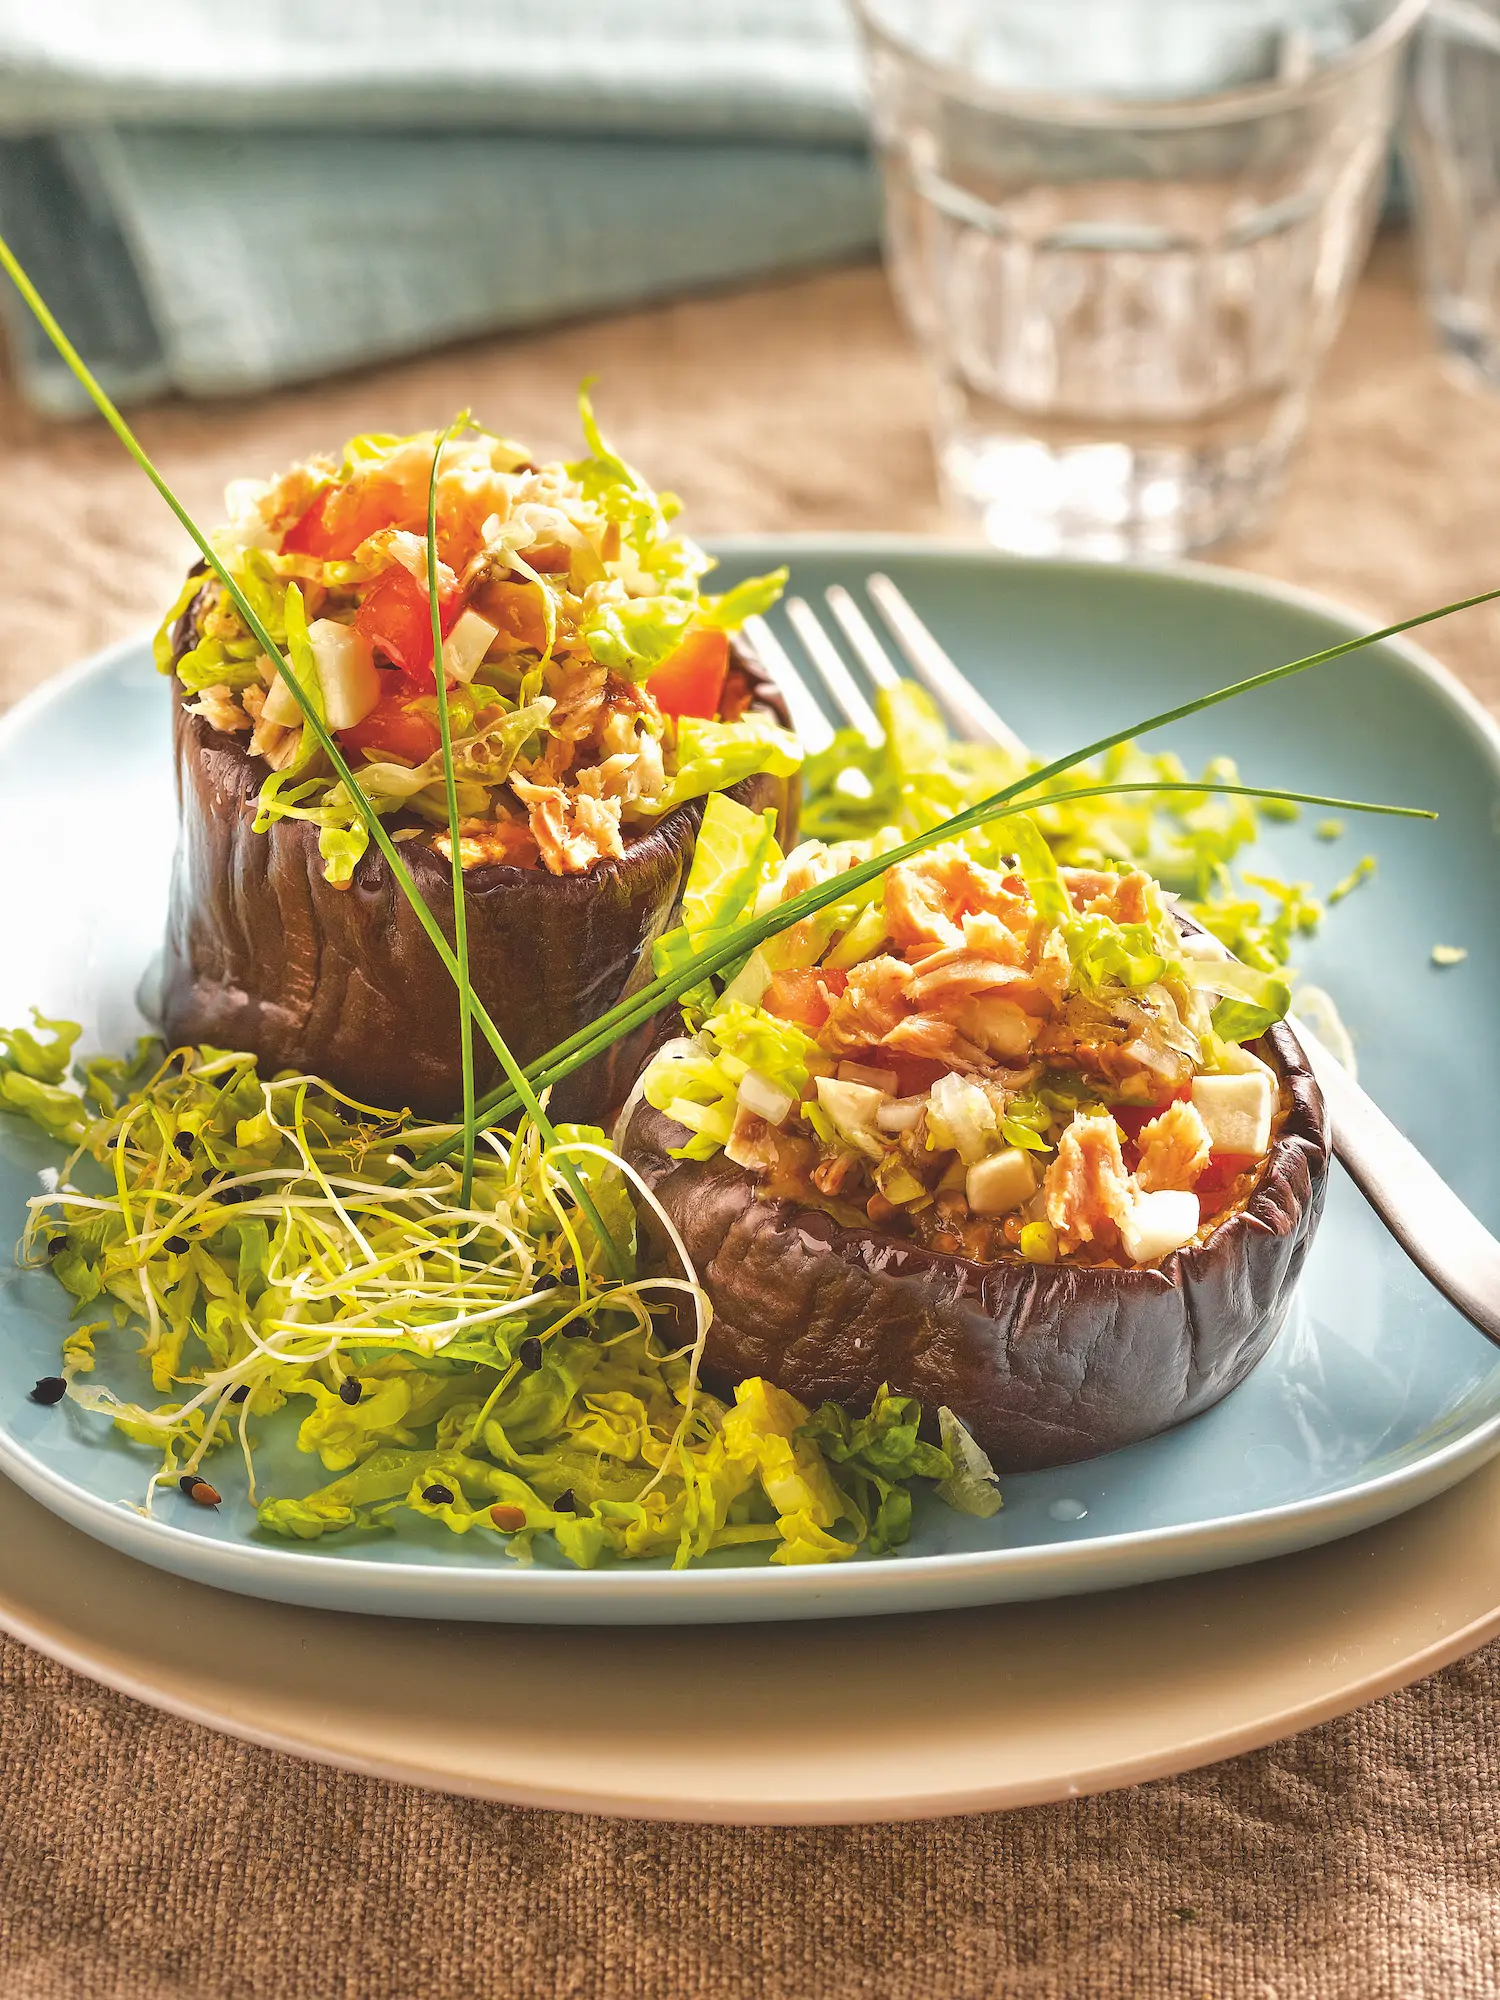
(808, 720)
(835, 676)
(972, 715)
(857, 630)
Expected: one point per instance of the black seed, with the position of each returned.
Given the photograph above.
(437, 1496)
(403, 1153)
(57, 1246)
(50, 1389)
(565, 1503)
(350, 1391)
(579, 1329)
(176, 1244)
(186, 1144)
(230, 1195)
(198, 1489)
(529, 1354)
(239, 1395)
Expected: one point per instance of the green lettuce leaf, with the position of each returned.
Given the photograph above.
(44, 1062)
(634, 637)
(972, 1487)
(1252, 1000)
(713, 756)
(735, 855)
(751, 599)
(161, 644)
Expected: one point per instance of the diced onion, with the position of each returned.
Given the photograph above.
(765, 1099)
(960, 1115)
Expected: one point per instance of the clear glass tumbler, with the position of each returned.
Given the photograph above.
(1451, 144)
(1124, 232)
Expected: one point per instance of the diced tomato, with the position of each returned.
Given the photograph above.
(1132, 1119)
(394, 727)
(805, 997)
(397, 620)
(1222, 1169)
(691, 680)
(914, 1074)
(343, 516)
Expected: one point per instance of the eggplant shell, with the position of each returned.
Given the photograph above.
(1046, 1364)
(263, 954)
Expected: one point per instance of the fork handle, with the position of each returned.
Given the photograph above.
(1445, 1240)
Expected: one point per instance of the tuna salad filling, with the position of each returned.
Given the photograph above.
(592, 685)
(1009, 1061)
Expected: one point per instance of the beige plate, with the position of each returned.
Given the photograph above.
(862, 1719)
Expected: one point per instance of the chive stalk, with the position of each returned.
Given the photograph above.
(626, 1014)
(620, 1020)
(517, 1082)
(450, 785)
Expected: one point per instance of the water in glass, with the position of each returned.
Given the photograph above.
(1451, 136)
(1124, 232)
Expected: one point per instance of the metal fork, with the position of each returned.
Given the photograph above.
(1444, 1239)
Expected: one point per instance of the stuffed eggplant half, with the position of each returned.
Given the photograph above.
(597, 696)
(1014, 1139)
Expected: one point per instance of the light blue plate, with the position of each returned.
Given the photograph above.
(1376, 1396)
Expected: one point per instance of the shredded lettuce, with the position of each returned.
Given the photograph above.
(630, 596)
(269, 1248)
(972, 1487)
(735, 855)
(1188, 842)
(713, 756)
(751, 599)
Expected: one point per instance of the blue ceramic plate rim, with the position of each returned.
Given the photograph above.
(924, 1582)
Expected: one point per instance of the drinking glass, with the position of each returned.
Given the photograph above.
(1124, 233)
(1451, 143)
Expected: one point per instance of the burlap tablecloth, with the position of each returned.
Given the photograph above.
(142, 1858)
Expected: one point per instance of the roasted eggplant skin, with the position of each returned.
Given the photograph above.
(1045, 1364)
(263, 954)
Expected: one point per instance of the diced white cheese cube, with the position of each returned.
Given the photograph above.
(346, 667)
(765, 1099)
(466, 645)
(1237, 1111)
(1001, 1183)
(1156, 1224)
(901, 1114)
(347, 674)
